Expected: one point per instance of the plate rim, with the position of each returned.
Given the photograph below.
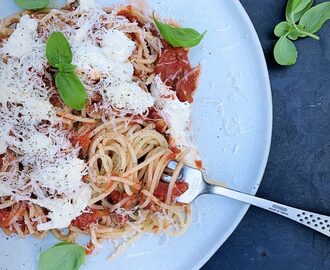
(269, 126)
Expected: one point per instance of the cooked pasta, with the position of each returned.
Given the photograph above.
(117, 147)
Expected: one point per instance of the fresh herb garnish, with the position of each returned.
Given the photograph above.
(32, 4)
(285, 51)
(179, 37)
(59, 56)
(302, 20)
(58, 50)
(63, 256)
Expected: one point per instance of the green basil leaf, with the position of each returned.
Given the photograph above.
(179, 37)
(296, 8)
(282, 29)
(32, 4)
(58, 50)
(285, 52)
(62, 244)
(293, 34)
(63, 67)
(71, 89)
(315, 18)
(63, 256)
(286, 29)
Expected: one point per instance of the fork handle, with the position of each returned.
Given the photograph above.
(317, 222)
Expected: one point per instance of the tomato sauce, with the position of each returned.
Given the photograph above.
(127, 13)
(179, 188)
(116, 196)
(175, 71)
(199, 164)
(4, 216)
(86, 219)
(56, 101)
(119, 219)
(82, 140)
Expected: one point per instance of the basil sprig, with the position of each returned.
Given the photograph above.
(58, 50)
(63, 256)
(179, 37)
(302, 20)
(32, 4)
(59, 56)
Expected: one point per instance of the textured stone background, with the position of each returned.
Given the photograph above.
(298, 170)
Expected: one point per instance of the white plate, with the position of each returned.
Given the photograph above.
(232, 123)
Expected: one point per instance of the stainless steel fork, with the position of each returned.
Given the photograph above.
(199, 184)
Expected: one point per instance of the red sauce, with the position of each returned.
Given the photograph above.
(119, 219)
(175, 149)
(4, 215)
(199, 164)
(186, 86)
(55, 100)
(175, 71)
(83, 141)
(89, 248)
(179, 188)
(116, 196)
(2, 38)
(161, 126)
(86, 219)
(153, 114)
(127, 13)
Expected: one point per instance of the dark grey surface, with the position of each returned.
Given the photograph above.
(298, 170)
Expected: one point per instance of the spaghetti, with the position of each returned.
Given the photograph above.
(124, 148)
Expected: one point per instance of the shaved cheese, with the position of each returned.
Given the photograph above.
(21, 41)
(63, 176)
(109, 62)
(116, 45)
(3, 143)
(175, 112)
(177, 116)
(52, 171)
(130, 96)
(37, 143)
(69, 210)
(87, 5)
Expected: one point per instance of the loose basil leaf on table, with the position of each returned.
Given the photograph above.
(282, 29)
(63, 256)
(285, 52)
(286, 29)
(32, 4)
(179, 37)
(313, 20)
(71, 89)
(58, 50)
(296, 8)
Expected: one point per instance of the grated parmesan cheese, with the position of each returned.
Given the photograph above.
(21, 41)
(109, 63)
(51, 170)
(87, 5)
(175, 112)
(70, 209)
(177, 116)
(36, 144)
(130, 96)
(3, 143)
(116, 45)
